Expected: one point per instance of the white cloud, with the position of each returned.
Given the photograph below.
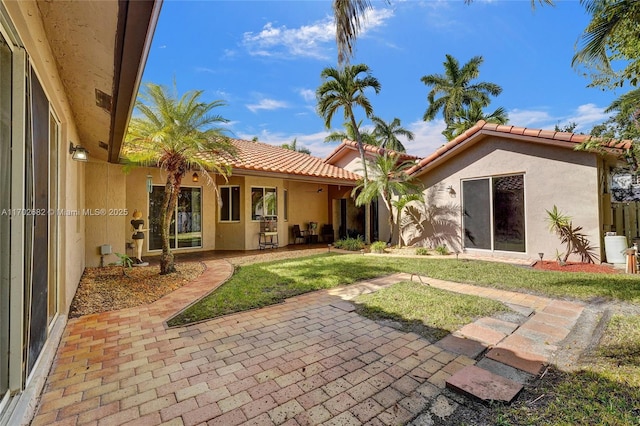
(308, 95)
(311, 41)
(267, 104)
(427, 137)
(530, 118)
(586, 116)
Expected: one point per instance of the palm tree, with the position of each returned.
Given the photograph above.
(613, 33)
(387, 133)
(400, 204)
(344, 88)
(466, 118)
(391, 179)
(350, 134)
(348, 16)
(293, 146)
(173, 133)
(455, 89)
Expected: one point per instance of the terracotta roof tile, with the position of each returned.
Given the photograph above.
(260, 156)
(481, 127)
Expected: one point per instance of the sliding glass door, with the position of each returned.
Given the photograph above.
(186, 223)
(494, 215)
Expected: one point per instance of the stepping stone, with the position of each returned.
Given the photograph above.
(481, 333)
(461, 346)
(523, 310)
(498, 325)
(478, 383)
(344, 306)
(504, 370)
(530, 363)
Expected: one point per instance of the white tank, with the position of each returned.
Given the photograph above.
(614, 246)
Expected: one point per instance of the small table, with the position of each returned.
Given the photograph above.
(267, 240)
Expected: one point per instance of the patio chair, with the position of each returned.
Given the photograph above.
(327, 233)
(298, 234)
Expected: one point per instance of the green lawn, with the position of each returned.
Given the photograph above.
(262, 284)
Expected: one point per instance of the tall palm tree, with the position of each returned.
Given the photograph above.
(348, 16)
(613, 33)
(344, 88)
(390, 180)
(466, 118)
(173, 133)
(387, 133)
(456, 89)
(350, 134)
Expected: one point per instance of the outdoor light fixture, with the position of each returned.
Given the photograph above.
(541, 256)
(149, 184)
(452, 192)
(329, 247)
(78, 153)
(319, 190)
(195, 177)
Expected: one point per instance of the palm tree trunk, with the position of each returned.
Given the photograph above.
(387, 201)
(169, 202)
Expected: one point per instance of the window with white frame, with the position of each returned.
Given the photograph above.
(264, 202)
(229, 204)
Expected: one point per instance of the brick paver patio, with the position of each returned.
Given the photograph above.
(310, 360)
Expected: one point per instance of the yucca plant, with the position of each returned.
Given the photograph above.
(575, 240)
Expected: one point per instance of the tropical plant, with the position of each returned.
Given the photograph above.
(442, 250)
(293, 146)
(177, 134)
(378, 247)
(125, 261)
(344, 88)
(348, 17)
(455, 89)
(613, 34)
(576, 241)
(349, 243)
(422, 251)
(466, 118)
(400, 204)
(350, 134)
(390, 179)
(387, 134)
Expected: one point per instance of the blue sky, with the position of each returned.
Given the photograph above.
(264, 59)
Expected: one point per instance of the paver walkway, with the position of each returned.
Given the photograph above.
(310, 360)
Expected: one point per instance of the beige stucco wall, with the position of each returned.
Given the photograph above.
(27, 22)
(306, 205)
(552, 176)
(231, 235)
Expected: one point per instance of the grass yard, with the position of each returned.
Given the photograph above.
(428, 311)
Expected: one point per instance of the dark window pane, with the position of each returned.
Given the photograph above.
(508, 213)
(189, 224)
(155, 227)
(256, 203)
(477, 214)
(235, 203)
(224, 205)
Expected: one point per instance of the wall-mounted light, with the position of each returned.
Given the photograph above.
(195, 177)
(149, 184)
(451, 191)
(319, 190)
(78, 153)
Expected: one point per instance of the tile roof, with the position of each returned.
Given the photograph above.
(262, 157)
(352, 145)
(482, 129)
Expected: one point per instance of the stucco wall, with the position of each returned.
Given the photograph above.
(231, 235)
(552, 176)
(306, 205)
(105, 211)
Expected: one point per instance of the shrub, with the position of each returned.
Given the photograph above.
(573, 237)
(378, 247)
(442, 250)
(352, 244)
(422, 251)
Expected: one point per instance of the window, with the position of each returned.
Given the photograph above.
(494, 213)
(286, 204)
(264, 202)
(230, 204)
(186, 223)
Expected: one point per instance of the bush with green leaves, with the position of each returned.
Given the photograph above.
(572, 236)
(422, 251)
(442, 250)
(378, 247)
(352, 244)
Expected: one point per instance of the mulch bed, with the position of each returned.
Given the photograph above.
(106, 289)
(548, 265)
